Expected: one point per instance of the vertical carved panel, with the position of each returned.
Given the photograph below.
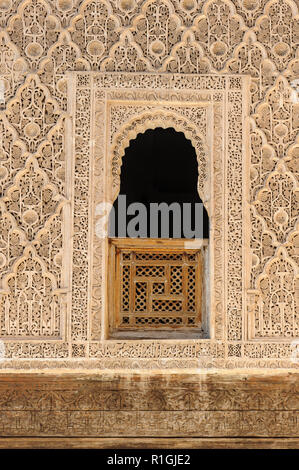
(34, 241)
(277, 308)
(80, 277)
(30, 303)
(275, 195)
(234, 246)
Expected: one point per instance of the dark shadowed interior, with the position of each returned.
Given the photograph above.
(161, 166)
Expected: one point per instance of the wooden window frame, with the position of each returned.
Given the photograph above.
(152, 245)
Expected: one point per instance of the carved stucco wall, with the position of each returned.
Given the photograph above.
(40, 41)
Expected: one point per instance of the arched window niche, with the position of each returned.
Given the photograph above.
(158, 235)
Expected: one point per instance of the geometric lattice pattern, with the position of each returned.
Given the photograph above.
(158, 288)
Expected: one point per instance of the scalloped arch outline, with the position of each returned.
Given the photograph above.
(164, 119)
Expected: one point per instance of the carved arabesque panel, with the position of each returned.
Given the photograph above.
(276, 311)
(274, 193)
(32, 200)
(95, 30)
(30, 303)
(32, 112)
(34, 238)
(13, 68)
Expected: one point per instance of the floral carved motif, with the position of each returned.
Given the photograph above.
(95, 30)
(277, 28)
(32, 112)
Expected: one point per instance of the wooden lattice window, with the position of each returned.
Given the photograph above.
(158, 284)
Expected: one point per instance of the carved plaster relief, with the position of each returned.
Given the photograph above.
(44, 39)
